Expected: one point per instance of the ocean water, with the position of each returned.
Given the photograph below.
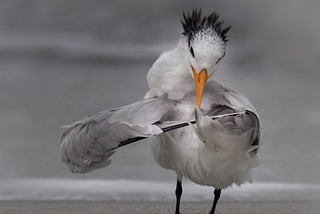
(119, 190)
(61, 61)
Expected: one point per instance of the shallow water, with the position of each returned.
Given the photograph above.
(102, 190)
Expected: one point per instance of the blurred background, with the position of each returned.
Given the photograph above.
(64, 59)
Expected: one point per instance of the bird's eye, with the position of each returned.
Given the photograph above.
(220, 58)
(192, 52)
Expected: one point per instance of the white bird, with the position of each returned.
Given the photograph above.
(218, 149)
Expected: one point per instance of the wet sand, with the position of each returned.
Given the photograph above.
(93, 207)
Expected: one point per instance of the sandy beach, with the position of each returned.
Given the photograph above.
(90, 207)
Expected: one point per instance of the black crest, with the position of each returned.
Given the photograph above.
(195, 22)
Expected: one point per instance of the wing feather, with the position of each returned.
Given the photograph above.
(227, 101)
(87, 144)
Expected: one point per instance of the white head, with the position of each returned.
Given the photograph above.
(205, 46)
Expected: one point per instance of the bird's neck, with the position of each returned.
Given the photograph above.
(171, 74)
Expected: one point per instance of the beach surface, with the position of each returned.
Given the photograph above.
(116, 207)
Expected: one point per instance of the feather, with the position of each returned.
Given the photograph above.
(194, 22)
(87, 144)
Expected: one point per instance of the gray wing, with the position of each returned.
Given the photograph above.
(87, 144)
(245, 123)
(227, 101)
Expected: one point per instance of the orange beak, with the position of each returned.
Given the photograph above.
(200, 80)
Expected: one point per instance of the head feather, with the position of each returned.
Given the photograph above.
(194, 22)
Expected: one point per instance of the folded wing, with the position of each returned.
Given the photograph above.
(242, 128)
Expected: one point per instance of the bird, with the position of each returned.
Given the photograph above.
(196, 126)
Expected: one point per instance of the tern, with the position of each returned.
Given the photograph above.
(196, 126)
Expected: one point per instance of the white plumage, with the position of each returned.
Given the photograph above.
(213, 152)
(216, 151)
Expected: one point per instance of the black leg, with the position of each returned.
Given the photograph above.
(217, 193)
(178, 196)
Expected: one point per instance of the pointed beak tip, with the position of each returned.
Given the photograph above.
(200, 80)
